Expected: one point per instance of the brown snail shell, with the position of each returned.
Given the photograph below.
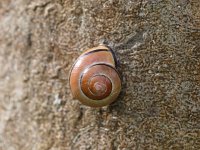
(94, 79)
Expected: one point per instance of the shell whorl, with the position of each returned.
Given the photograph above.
(94, 79)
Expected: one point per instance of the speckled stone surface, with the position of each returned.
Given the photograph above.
(157, 43)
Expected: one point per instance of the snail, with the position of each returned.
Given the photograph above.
(94, 79)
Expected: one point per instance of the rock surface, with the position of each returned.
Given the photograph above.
(157, 43)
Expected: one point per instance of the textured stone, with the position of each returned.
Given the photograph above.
(157, 45)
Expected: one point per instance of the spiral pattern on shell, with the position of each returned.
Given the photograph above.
(94, 79)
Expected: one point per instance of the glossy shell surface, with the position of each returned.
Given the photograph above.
(94, 79)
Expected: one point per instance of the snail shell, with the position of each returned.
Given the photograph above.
(94, 80)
